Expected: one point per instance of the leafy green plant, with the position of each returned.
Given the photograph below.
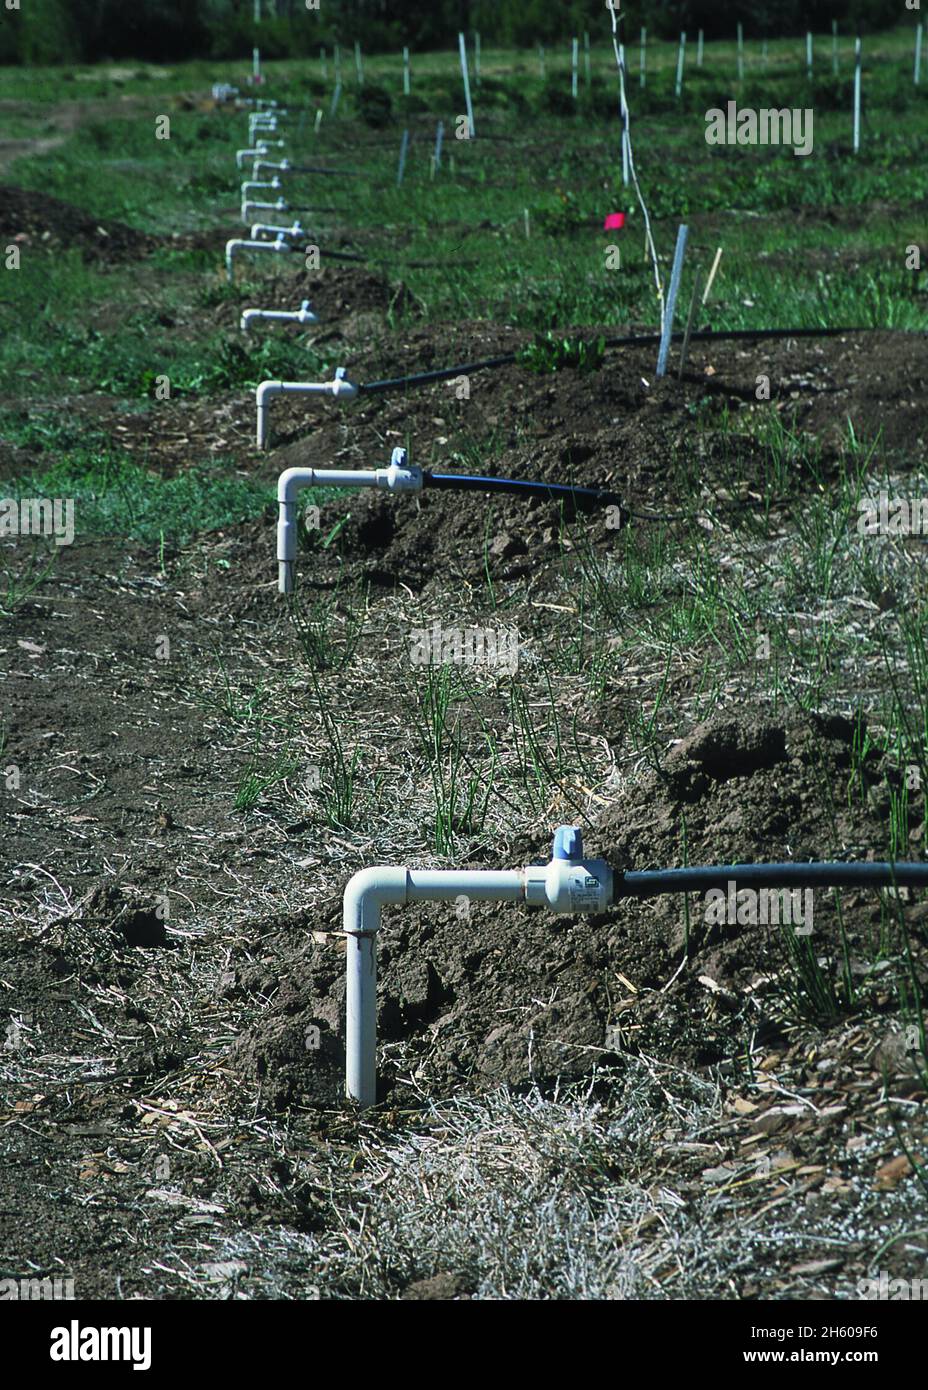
(550, 353)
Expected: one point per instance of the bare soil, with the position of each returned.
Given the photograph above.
(137, 1040)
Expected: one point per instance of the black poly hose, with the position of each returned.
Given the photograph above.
(632, 340)
(583, 498)
(648, 883)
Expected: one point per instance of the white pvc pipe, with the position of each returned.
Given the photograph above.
(249, 208)
(399, 477)
(302, 315)
(338, 388)
(260, 164)
(568, 883)
(262, 230)
(263, 147)
(242, 244)
(258, 186)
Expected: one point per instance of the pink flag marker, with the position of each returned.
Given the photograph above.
(614, 222)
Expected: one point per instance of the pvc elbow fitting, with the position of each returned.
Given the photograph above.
(398, 477)
(240, 244)
(250, 186)
(337, 388)
(567, 884)
(260, 164)
(253, 153)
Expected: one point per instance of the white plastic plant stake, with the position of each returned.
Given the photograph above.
(857, 97)
(398, 477)
(302, 315)
(918, 53)
(339, 389)
(681, 53)
(462, 50)
(567, 884)
(675, 274)
(238, 244)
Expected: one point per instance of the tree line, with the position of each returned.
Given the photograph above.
(85, 31)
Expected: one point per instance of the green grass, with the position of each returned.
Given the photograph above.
(115, 496)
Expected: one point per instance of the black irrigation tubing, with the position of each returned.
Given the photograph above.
(580, 497)
(632, 340)
(648, 883)
(318, 169)
(366, 260)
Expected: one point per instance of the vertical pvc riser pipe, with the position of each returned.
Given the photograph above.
(366, 894)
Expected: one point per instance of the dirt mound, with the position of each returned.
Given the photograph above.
(477, 994)
(38, 220)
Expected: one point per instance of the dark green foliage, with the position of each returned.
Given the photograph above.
(550, 353)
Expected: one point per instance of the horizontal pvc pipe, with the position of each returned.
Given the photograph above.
(302, 315)
(566, 884)
(248, 208)
(648, 883)
(339, 388)
(398, 477)
(261, 229)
